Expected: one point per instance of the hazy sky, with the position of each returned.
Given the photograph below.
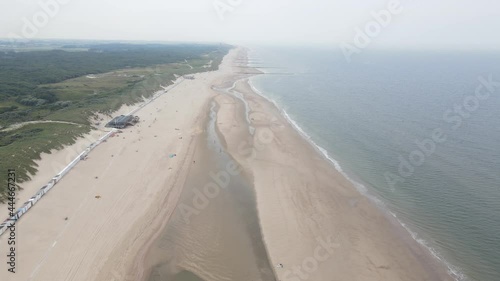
(463, 24)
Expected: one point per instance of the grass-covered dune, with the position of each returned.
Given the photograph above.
(72, 86)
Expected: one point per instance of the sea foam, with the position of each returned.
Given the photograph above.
(454, 271)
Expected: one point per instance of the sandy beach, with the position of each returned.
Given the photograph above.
(316, 225)
(124, 203)
(138, 185)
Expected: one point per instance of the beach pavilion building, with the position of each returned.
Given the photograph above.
(123, 121)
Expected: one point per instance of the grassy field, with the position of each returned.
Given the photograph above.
(76, 100)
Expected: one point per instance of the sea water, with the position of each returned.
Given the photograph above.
(409, 129)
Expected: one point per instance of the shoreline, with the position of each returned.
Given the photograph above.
(455, 272)
(429, 262)
(123, 197)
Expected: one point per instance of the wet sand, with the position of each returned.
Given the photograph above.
(221, 239)
(285, 214)
(314, 221)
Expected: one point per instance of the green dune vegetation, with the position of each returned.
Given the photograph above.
(72, 86)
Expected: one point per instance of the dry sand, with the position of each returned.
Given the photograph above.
(302, 201)
(138, 184)
(314, 221)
